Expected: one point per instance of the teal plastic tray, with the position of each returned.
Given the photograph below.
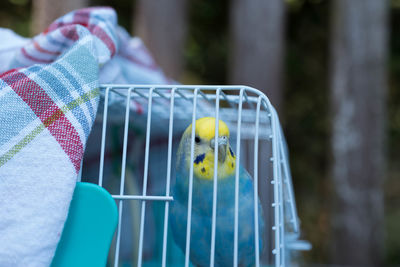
(89, 228)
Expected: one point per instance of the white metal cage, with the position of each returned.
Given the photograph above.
(147, 121)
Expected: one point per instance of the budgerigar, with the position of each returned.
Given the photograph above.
(202, 199)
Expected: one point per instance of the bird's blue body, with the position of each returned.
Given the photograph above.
(201, 220)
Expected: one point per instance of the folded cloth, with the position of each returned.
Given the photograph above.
(49, 95)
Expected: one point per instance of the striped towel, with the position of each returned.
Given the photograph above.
(48, 102)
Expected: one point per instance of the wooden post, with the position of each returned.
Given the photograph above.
(46, 11)
(162, 26)
(358, 94)
(257, 50)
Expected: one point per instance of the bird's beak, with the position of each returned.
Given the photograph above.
(222, 145)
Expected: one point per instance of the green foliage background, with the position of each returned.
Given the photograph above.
(305, 114)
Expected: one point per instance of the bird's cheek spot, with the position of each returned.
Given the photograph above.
(199, 158)
(203, 170)
(230, 150)
(232, 165)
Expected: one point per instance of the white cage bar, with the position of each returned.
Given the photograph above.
(171, 108)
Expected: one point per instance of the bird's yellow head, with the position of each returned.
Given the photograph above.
(204, 146)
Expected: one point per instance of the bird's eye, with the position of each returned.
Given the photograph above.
(197, 139)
